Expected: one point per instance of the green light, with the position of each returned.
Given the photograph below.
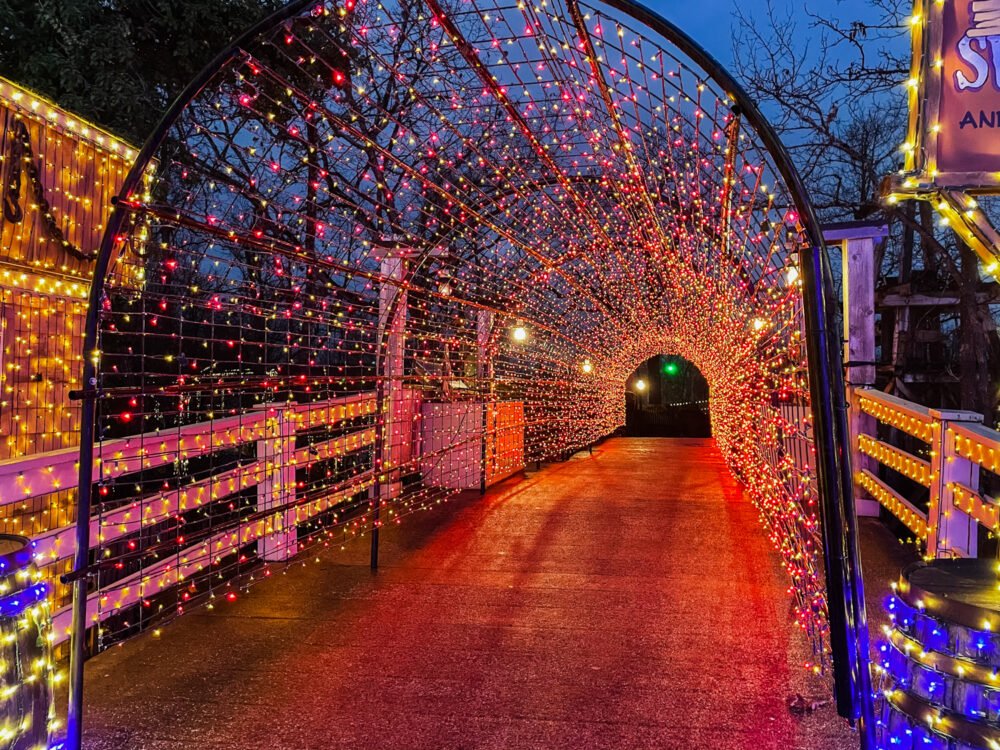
(671, 368)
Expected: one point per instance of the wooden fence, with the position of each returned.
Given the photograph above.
(926, 467)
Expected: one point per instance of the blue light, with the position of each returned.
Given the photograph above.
(15, 604)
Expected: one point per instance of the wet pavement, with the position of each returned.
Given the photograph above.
(622, 600)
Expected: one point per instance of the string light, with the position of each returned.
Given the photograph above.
(937, 670)
(59, 176)
(363, 276)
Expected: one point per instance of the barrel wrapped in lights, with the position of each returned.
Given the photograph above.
(26, 671)
(940, 661)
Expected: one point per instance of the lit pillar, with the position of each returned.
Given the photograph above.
(276, 489)
(950, 532)
(397, 433)
(484, 361)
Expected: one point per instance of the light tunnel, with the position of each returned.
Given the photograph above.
(382, 253)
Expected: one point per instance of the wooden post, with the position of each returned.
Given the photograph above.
(484, 362)
(276, 489)
(396, 448)
(858, 264)
(857, 242)
(950, 533)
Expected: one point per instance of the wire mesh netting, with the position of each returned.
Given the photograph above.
(394, 251)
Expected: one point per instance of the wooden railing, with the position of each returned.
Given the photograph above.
(277, 442)
(272, 428)
(922, 465)
(925, 466)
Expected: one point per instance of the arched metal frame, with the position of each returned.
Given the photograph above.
(845, 600)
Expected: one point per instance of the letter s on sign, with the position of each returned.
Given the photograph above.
(977, 61)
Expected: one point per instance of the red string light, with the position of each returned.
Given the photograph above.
(457, 220)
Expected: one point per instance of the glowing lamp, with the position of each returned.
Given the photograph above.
(640, 385)
(519, 334)
(671, 368)
(587, 367)
(759, 324)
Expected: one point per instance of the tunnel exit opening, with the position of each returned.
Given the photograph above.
(667, 396)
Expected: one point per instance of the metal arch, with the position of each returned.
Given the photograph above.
(81, 558)
(845, 598)
(845, 587)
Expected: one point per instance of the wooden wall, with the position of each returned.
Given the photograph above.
(79, 169)
(48, 158)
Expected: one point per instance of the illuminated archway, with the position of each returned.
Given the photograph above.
(372, 237)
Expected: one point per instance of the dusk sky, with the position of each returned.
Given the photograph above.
(710, 21)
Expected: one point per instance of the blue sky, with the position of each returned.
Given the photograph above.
(710, 21)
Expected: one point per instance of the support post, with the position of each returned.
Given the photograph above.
(484, 362)
(486, 444)
(858, 266)
(277, 489)
(375, 493)
(857, 258)
(397, 448)
(950, 533)
(81, 561)
(392, 431)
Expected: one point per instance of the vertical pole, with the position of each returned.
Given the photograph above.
(950, 533)
(376, 491)
(390, 364)
(277, 490)
(858, 266)
(81, 557)
(484, 372)
(485, 443)
(845, 588)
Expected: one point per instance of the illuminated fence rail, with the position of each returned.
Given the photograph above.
(271, 430)
(926, 466)
(283, 442)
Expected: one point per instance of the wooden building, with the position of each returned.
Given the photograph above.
(57, 176)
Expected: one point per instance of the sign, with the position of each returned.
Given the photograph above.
(953, 143)
(955, 95)
(970, 90)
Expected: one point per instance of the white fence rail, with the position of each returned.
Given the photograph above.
(939, 455)
(272, 428)
(278, 440)
(942, 454)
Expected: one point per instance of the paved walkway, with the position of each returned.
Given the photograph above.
(622, 600)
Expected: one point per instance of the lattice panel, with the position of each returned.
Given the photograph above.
(425, 208)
